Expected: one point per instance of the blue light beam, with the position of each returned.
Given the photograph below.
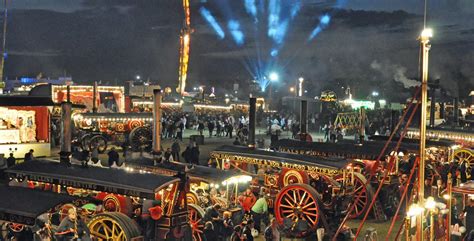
(324, 21)
(211, 20)
(274, 9)
(251, 8)
(295, 8)
(237, 34)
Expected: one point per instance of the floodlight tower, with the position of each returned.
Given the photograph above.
(425, 36)
(185, 39)
(4, 41)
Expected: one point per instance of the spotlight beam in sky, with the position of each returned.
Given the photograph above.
(251, 8)
(211, 20)
(274, 9)
(234, 28)
(324, 21)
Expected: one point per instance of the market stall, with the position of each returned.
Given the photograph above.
(24, 125)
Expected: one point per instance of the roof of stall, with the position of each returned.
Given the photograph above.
(315, 161)
(194, 171)
(110, 180)
(23, 205)
(23, 100)
(117, 115)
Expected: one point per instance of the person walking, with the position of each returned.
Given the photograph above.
(168, 156)
(195, 154)
(271, 232)
(113, 156)
(11, 160)
(29, 156)
(72, 228)
(237, 234)
(209, 232)
(187, 155)
(210, 126)
(247, 231)
(175, 150)
(200, 127)
(212, 215)
(259, 210)
(179, 130)
(94, 154)
(229, 129)
(228, 225)
(247, 200)
(469, 216)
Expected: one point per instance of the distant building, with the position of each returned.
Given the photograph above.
(23, 85)
(141, 89)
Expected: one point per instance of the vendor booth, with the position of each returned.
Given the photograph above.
(24, 125)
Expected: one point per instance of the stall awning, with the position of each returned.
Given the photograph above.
(25, 101)
(23, 205)
(110, 180)
(282, 159)
(118, 115)
(203, 173)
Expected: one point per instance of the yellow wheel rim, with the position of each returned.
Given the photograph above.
(192, 198)
(464, 154)
(106, 229)
(292, 177)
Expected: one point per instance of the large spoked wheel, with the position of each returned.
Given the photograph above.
(297, 209)
(115, 203)
(113, 226)
(85, 140)
(64, 209)
(464, 154)
(358, 187)
(196, 214)
(140, 138)
(16, 227)
(98, 141)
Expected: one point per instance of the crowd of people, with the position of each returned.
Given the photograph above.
(255, 220)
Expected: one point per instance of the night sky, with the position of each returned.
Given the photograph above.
(368, 44)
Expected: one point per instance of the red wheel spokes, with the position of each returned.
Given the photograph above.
(359, 190)
(16, 227)
(297, 203)
(196, 224)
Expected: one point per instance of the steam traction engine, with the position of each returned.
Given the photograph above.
(306, 193)
(100, 129)
(112, 199)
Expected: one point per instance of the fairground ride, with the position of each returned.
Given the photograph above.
(185, 39)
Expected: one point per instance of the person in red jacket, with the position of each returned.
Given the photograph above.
(247, 200)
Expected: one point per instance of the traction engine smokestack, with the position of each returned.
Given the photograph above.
(156, 121)
(94, 98)
(456, 112)
(252, 121)
(304, 120)
(432, 107)
(66, 110)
